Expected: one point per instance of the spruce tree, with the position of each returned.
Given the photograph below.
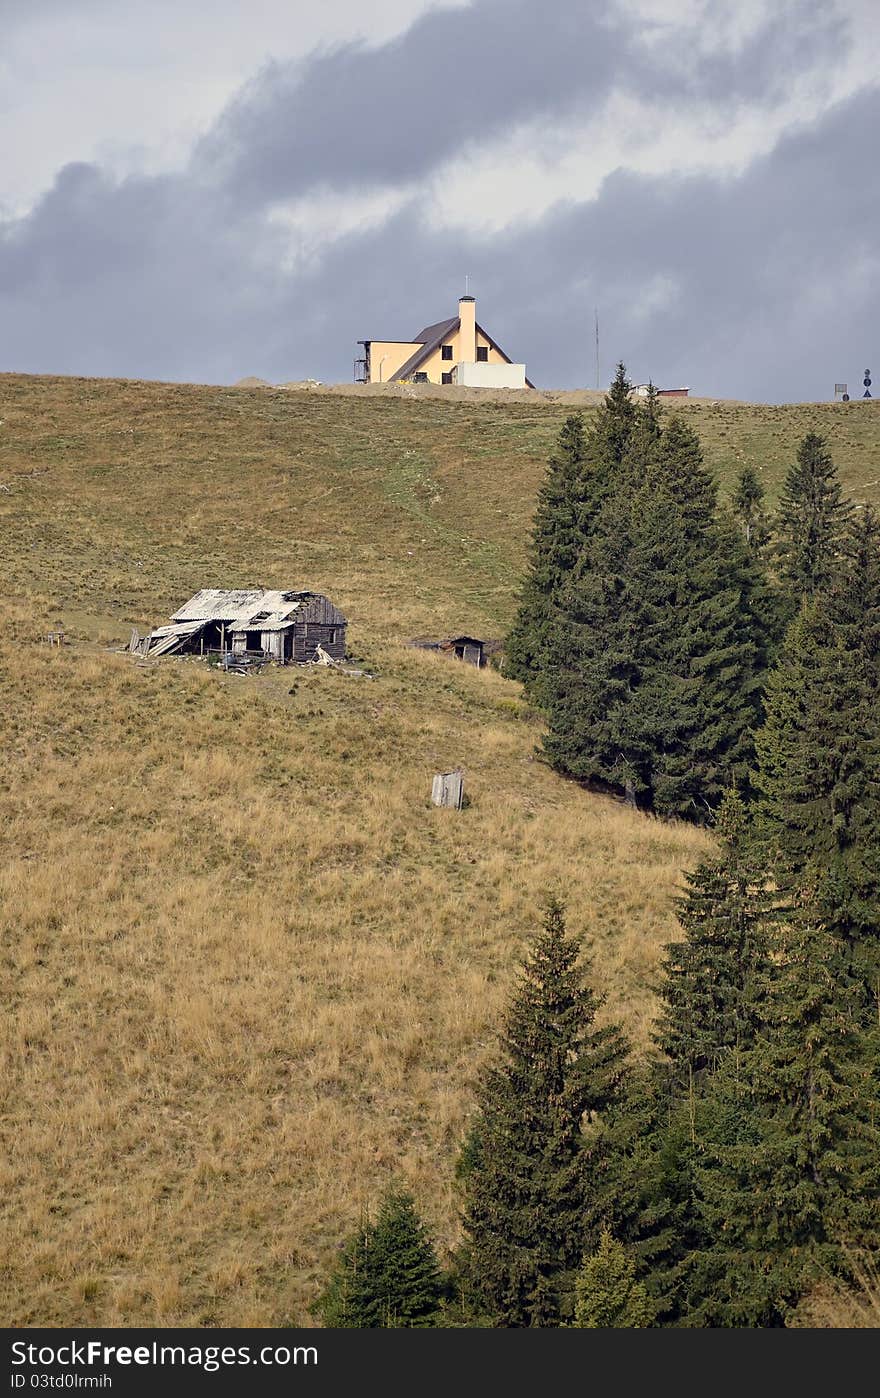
(557, 538)
(856, 615)
(809, 770)
(580, 473)
(819, 768)
(608, 1294)
(748, 508)
(387, 1275)
(811, 523)
(641, 1183)
(855, 602)
(787, 1177)
(657, 651)
(525, 1163)
(818, 775)
(614, 425)
(710, 1005)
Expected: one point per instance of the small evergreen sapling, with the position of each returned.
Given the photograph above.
(608, 1295)
(387, 1275)
(748, 508)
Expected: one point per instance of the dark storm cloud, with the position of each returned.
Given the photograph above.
(150, 278)
(761, 286)
(358, 116)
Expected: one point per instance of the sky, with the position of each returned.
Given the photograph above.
(198, 190)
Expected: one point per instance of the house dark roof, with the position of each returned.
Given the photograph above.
(428, 340)
(432, 337)
(436, 332)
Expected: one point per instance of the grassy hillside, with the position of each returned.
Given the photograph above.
(249, 971)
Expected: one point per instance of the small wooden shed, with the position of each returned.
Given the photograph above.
(467, 648)
(287, 627)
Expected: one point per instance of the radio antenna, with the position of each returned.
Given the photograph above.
(597, 346)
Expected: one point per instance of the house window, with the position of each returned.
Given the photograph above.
(331, 636)
(446, 352)
(446, 378)
(482, 354)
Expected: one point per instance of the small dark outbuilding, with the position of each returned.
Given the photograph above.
(467, 648)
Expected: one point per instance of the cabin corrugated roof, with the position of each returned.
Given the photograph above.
(257, 609)
(177, 628)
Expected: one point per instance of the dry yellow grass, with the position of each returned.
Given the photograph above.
(835, 1306)
(249, 973)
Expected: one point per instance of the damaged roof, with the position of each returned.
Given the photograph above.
(244, 609)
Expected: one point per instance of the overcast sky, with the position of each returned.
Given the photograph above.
(203, 190)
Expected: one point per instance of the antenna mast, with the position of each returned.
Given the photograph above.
(597, 346)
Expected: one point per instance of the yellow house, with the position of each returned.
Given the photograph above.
(452, 351)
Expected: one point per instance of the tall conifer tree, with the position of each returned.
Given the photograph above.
(658, 649)
(524, 1165)
(709, 995)
(580, 473)
(787, 1177)
(557, 539)
(818, 775)
(811, 523)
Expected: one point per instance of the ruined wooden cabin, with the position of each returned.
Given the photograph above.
(287, 627)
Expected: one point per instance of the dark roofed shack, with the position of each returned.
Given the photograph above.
(287, 627)
(467, 648)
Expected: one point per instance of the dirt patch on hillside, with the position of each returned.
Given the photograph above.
(457, 393)
(583, 397)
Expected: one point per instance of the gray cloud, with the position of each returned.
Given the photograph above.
(16, 13)
(792, 37)
(759, 286)
(357, 116)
